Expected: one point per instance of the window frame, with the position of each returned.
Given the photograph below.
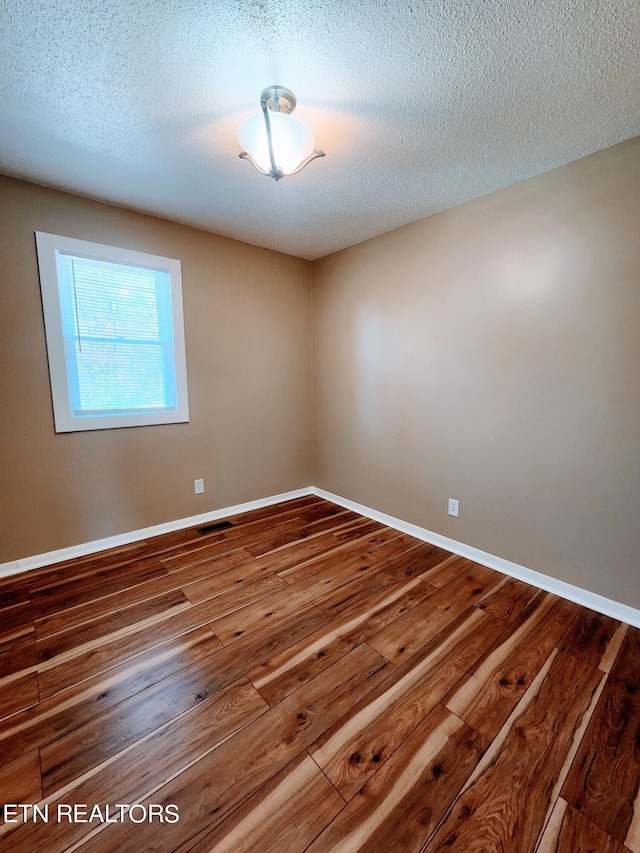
(47, 247)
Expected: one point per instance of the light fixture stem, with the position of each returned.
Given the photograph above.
(265, 110)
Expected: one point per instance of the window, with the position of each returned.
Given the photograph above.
(115, 335)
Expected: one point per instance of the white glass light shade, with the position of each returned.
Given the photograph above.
(292, 141)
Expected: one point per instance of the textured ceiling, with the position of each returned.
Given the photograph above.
(418, 105)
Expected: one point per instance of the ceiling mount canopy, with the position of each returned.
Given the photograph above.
(275, 142)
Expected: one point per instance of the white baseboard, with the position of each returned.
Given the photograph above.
(592, 600)
(16, 566)
(581, 596)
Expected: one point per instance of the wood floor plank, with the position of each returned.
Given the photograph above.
(16, 638)
(208, 568)
(418, 561)
(568, 830)
(160, 605)
(356, 747)
(505, 803)
(312, 514)
(269, 608)
(360, 590)
(271, 639)
(196, 549)
(20, 781)
(248, 655)
(593, 638)
(243, 596)
(363, 527)
(133, 775)
(232, 579)
(137, 639)
(347, 554)
(449, 569)
(282, 528)
(336, 575)
(82, 747)
(82, 667)
(285, 672)
(57, 715)
(18, 695)
(395, 547)
(408, 634)
(285, 814)
(37, 654)
(414, 563)
(383, 606)
(604, 779)
(16, 653)
(112, 558)
(489, 691)
(16, 618)
(402, 803)
(188, 538)
(312, 527)
(509, 599)
(321, 509)
(68, 594)
(96, 625)
(213, 787)
(135, 593)
(61, 671)
(334, 522)
(143, 705)
(13, 590)
(290, 557)
(207, 549)
(347, 519)
(276, 537)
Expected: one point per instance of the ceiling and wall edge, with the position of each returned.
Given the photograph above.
(312, 261)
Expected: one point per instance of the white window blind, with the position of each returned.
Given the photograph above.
(113, 324)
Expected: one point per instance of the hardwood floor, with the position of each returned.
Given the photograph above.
(302, 678)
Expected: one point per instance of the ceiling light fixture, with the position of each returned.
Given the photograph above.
(275, 142)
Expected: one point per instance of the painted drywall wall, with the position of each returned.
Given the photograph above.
(491, 354)
(248, 342)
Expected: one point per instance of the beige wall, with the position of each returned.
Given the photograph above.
(491, 353)
(248, 341)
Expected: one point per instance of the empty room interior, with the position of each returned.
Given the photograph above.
(320, 348)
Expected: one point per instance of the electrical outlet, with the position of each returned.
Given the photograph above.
(454, 507)
(199, 486)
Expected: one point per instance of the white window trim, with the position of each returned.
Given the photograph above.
(65, 421)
